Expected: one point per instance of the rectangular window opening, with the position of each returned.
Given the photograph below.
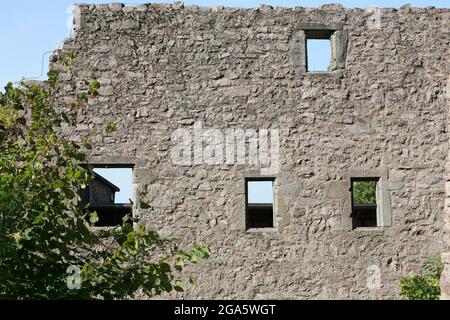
(259, 203)
(109, 194)
(318, 50)
(364, 202)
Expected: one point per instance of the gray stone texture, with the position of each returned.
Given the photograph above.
(164, 67)
(445, 277)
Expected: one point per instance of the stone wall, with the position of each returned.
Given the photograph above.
(381, 112)
(445, 277)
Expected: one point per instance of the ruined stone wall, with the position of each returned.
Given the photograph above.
(382, 112)
(445, 277)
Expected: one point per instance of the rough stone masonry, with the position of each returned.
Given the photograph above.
(379, 111)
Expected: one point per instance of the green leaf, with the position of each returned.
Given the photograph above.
(192, 281)
(179, 264)
(110, 127)
(87, 144)
(38, 219)
(93, 88)
(82, 97)
(93, 219)
(52, 77)
(179, 286)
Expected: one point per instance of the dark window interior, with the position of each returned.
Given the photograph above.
(110, 215)
(101, 194)
(318, 34)
(364, 202)
(259, 203)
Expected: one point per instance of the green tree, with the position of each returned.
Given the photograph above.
(425, 285)
(47, 244)
(364, 192)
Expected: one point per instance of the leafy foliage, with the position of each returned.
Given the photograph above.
(424, 286)
(43, 231)
(364, 192)
(110, 127)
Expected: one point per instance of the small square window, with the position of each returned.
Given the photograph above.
(109, 194)
(318, 50)
(364, 202)
(259, 203)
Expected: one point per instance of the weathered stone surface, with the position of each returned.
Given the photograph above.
(340, 49)
(445, 277)
(165, 67)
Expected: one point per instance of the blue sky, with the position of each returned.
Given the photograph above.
(260, 192)
(319, 54)
(122, 178)
(30, 28)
